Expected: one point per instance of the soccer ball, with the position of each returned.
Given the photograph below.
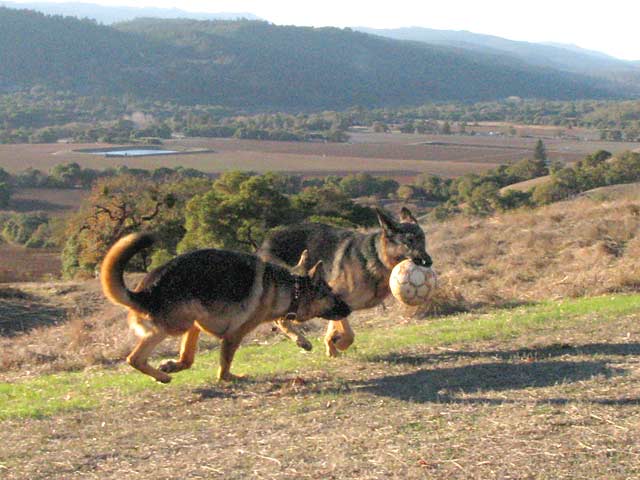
(412, 284)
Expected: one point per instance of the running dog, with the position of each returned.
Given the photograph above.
(224, 293)
(358, 264)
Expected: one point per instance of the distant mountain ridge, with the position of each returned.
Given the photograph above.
(568, 58)
(578, 49)
(109, 15)
(259, 66)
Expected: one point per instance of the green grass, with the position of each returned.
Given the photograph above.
(500, 324)
(56, 393)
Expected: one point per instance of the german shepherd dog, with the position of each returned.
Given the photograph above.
(224, 293)
(359, 264)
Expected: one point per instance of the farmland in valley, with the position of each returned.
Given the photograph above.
(449, 155)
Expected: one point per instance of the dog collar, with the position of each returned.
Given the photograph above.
(292, 311)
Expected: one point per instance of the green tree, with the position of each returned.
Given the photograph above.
(540, 152)
(120, 205)
(6, 190)
(328, 201)
(407, 127)
(365, 184)
(525, 169)
(406, 192)
(236, 213)
(20, 229)
(380, 127)
(67, 174)
(434, 188)
(514, 199)
(484, 199)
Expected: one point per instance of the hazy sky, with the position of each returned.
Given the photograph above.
(609, 26)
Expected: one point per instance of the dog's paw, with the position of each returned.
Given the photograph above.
(341, 342)
(331, 350)
(304, 344)
(171, 366)
(163, 379)
(230, 377)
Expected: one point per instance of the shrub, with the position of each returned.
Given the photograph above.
(20, 228)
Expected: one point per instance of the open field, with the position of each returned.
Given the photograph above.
(547, 391)
(393, 153)
(20, 264)
(54, 201)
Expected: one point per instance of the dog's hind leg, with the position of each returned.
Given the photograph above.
(339, 336)
(289, 329)
(188, 348)
(228, 349)
(140, 354)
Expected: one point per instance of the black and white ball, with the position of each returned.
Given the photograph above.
(412, 284)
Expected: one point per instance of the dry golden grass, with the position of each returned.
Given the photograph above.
(574, 248)
(526, 185)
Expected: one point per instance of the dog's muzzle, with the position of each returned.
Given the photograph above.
(424, 260)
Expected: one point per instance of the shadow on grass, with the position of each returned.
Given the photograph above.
(506, 371)
(213, 393)
(32, 204)
(21, 312)
(445, 385)
(551, 351)
(240, 387)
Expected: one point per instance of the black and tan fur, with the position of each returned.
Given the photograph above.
(224, 293)
(358, 264)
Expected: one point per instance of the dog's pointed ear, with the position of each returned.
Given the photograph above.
(300, 267)
(317, 273)
(407, 217)
(387, 223)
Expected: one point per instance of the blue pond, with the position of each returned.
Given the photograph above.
(134, 152)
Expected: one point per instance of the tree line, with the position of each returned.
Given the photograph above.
(40, 115)
(234, 211)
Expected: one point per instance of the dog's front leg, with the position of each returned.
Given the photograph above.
(188, 348)
(227, 351)
(290, 330)
(339, 336)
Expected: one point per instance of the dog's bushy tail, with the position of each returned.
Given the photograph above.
(113, 265)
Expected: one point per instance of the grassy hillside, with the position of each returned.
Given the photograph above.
(256, 65)
(472, 396)
(586, 246)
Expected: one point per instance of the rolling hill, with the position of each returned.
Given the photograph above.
(257, 66)
(107, 15)
(568, 58)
